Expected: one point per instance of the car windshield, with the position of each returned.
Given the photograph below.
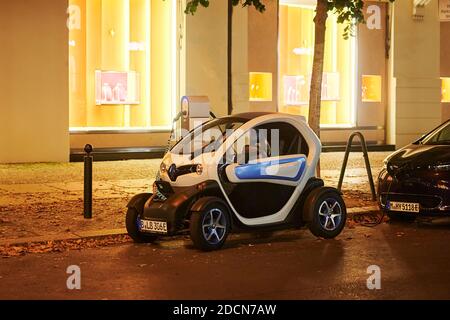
(439, 136)
(209, 137)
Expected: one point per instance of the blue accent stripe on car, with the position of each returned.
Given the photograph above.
(258, 171)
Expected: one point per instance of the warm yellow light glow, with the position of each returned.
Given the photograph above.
(130, 36)
(371, 88)
(260, 86)
(296, 40)
(445, 90)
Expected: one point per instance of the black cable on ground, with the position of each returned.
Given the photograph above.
(380, 221)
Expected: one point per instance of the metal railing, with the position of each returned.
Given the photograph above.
(366, 159)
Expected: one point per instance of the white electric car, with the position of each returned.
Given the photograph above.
(253, 171)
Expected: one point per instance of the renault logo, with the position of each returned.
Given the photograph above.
(172, 172)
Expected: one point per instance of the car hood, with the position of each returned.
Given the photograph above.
(417, 156)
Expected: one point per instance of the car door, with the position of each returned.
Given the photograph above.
(269, 163)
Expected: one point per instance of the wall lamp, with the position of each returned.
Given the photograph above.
(419, 9)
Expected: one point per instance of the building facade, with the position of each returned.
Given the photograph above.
(112, 72)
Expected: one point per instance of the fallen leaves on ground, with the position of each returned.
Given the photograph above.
(62, 246)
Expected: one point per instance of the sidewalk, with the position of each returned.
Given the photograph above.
(44, 202)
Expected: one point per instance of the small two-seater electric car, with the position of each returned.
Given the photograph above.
(253, 171)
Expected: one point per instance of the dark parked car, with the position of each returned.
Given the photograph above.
(416, 179)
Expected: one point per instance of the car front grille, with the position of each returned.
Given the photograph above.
(426, 202)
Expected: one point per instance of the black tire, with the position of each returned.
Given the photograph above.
(213, 220)
(405, 217)
(326, 211)
(132, 221)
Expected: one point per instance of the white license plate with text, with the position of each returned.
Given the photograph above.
(404, 207)
(153, 226)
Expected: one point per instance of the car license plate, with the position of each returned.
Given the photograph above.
(404, 207)
(153, 226)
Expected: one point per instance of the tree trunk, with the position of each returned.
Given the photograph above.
(317, 70)
(315, 97)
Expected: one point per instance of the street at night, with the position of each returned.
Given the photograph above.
(290, 265)
(222, 159)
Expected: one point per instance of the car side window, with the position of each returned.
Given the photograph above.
(269, 140)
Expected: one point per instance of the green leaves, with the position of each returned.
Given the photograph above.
(192, 5)
(349, 12)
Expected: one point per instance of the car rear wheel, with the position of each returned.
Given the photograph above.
(327, 212)
(132, 223)
(210, 227)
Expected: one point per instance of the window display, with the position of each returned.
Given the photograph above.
(114, 88)
(260, 86)
(371, 88)
(446, 90)
(122, 64)
(296, 53)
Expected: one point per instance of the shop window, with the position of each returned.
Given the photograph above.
(260, 86)
(371, 88)
(122, 64)
(296, 53)
(446, 90)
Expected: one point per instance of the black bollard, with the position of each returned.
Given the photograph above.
(88, 161)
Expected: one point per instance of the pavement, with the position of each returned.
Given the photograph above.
(288, 265)
(44, 202)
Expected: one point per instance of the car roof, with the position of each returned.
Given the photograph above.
(253, 115)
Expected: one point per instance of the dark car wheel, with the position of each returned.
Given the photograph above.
(210, 227)
(132, 224)
(327, 212)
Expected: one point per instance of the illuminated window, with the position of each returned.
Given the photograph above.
(122, 64)
(296, 53)
(446, 90)
(260, 86)
(371, 88)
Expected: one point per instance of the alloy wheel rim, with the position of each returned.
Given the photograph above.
(330, 214)
(214, 226)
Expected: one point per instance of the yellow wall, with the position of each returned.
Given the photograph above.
(206, 55)
(240, 62)
(445, 66)
(417, 72)
(263, 50)
(34, 113)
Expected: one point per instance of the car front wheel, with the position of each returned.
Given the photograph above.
(210, 227)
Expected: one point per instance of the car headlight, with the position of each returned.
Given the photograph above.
(440, 167)
(199, 169)
(163, 168)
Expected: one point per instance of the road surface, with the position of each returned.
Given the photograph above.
(414, 261)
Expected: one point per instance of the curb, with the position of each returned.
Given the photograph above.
(117, 232)
(358, 210)
(65, 237)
